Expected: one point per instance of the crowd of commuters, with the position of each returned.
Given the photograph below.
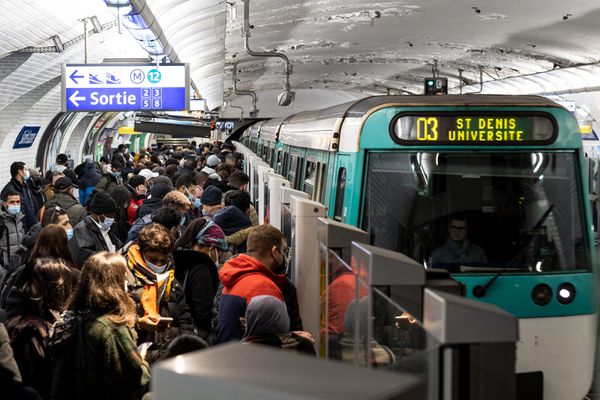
(111, 266)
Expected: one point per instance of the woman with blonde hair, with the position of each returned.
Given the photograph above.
(94, 344)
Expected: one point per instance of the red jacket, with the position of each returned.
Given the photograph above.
(243, 278)
(132, 209)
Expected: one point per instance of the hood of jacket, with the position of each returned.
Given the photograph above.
(238, 267)
(231, 219)
(149, 205)
(64, 200)
(188, 259)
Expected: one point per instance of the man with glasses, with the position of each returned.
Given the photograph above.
(457, 250)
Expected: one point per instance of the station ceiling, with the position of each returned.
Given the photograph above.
(356, 45)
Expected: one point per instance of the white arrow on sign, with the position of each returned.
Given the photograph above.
(75, 99)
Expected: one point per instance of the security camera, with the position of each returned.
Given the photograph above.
(254, 113)
(286, 98)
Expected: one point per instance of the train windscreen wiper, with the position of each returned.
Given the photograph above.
(481, 290)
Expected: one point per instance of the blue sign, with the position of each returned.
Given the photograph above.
(118, 87)
(26, 137)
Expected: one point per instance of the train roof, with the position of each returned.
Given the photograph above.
(322, 129)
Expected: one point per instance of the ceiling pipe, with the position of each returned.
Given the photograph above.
(250, 93)
(241, 110)
(286, 97)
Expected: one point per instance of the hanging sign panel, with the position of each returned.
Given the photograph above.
(120, 87)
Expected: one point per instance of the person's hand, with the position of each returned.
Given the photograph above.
(305, 335)
(149, 323)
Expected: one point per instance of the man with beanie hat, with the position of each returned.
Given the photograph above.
(94, 233)
(211, 201)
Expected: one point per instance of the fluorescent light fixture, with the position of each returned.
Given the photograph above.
(96, 24)
(60, 47)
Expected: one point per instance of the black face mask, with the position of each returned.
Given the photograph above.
(283, 266)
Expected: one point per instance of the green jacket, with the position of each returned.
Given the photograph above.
(96, 359)
(74, 210)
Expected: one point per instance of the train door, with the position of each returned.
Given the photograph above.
(296, 171)
(338, 210)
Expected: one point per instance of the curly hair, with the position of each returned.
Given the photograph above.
(155, 237)
(101, 289)
(49, 284)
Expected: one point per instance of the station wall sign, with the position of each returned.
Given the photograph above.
(26, 137)
(120, 87)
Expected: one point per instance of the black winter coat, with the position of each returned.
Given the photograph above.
(199, 277)
(175, 307)
(87, 240)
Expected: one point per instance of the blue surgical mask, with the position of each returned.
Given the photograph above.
(157, 269)
(14, 209)
(27, 175)
(106, 224)
(197, 203)
(182, 222)
(116, 174)
(69, 233)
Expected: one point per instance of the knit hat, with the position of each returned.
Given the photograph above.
(101, 203)
(231, 219)
(212, 235)
(213, 161)
(211, 196)
(137, 180)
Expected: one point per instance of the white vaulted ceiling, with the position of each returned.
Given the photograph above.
(196, 32)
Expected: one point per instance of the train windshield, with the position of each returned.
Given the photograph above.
(478, 212)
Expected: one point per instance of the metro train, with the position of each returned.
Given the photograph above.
(399, 166)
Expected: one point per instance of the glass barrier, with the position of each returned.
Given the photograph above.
(363, 326)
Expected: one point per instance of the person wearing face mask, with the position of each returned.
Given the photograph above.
(198, 252)
(11, 227)
(112, 179)
(186, 184)
(30, 206)
(94, 233)
(65, 199)
(161, 306)
(259, 272)
(62, 165)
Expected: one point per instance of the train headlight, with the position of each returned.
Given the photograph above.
(541, 294)
(565, 293)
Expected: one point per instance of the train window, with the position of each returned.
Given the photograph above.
(338, 208)
(321, 184)
(471, 212)
(292, 172)
(310, 178)
(286, 161)
(279, 165)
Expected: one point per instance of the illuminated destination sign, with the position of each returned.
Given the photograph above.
(473, 128)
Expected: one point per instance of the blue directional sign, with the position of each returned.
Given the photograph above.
(119, 87)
